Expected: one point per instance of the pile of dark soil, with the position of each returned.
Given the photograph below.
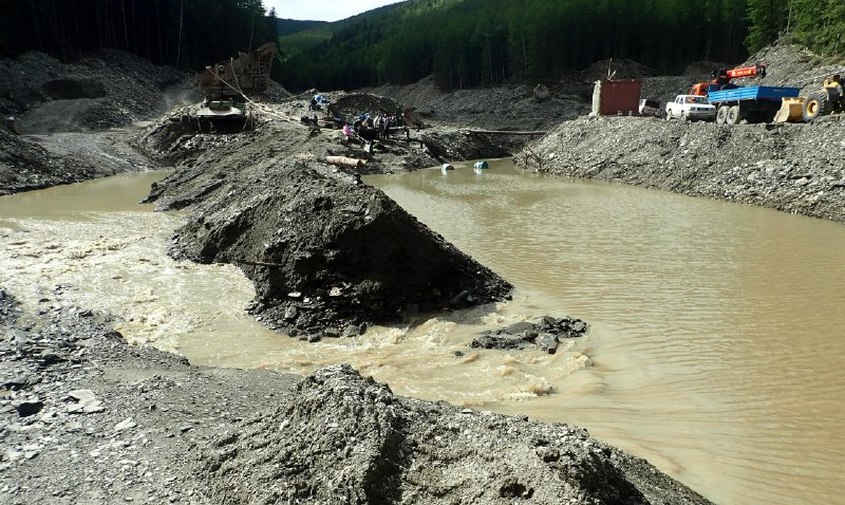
(328, 255)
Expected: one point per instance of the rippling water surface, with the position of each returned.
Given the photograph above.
(716, 342)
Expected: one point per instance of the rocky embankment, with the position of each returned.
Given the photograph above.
(797, 168)
(86, 418)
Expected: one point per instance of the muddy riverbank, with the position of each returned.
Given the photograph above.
(89, 419)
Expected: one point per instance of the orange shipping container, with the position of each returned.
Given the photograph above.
(615, 97)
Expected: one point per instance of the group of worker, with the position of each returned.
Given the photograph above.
(367, 129)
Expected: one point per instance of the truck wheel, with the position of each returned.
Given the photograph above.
(814, 106)
(733, 115)
(722, 115)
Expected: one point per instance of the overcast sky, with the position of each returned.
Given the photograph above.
(323, 10)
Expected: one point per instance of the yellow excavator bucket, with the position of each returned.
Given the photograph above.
(791, 111)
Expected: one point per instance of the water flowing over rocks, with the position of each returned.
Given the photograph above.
(111, 422)
(543, 334)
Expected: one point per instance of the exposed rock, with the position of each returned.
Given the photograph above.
(544, 334)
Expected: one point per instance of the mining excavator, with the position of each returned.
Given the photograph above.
(828, 100)
(227, 86)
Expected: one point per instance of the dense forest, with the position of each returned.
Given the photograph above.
(464, 43)
(469, 43)
(183, 33)
(817, 24)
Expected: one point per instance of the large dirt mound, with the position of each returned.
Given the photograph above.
(791, 65)
(327, 254)
(101, 90)
(618, 69)
(501, 108)
(341, 438)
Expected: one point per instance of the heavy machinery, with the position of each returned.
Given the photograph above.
(828, 100)
(722, 78)
(753, 104)
(227, 86)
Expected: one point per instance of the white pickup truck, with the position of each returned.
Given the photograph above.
(691, 108)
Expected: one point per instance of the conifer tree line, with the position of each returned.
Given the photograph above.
(471, 43)
(463, 43)
(182, 33)
(817, 24)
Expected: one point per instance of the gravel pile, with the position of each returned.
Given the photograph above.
(342, 438)
(87, 419)
(501, 108)
(795, 168)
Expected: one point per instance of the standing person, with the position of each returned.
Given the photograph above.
(377, 124)
(385, 127)
(348, 133)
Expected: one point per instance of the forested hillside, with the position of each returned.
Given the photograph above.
(464, 43)
(470, 43)
(817, 24)
(184, 33)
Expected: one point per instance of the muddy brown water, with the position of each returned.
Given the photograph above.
(716, 344)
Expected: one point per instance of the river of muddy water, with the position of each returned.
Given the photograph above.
(715, 347)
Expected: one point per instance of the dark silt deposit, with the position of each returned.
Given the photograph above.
(328, 254)
(544, 334)
(342, 438)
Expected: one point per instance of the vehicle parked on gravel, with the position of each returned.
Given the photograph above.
(691, 108)
(650, 107)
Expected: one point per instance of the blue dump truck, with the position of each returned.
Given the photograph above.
(754, 104)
